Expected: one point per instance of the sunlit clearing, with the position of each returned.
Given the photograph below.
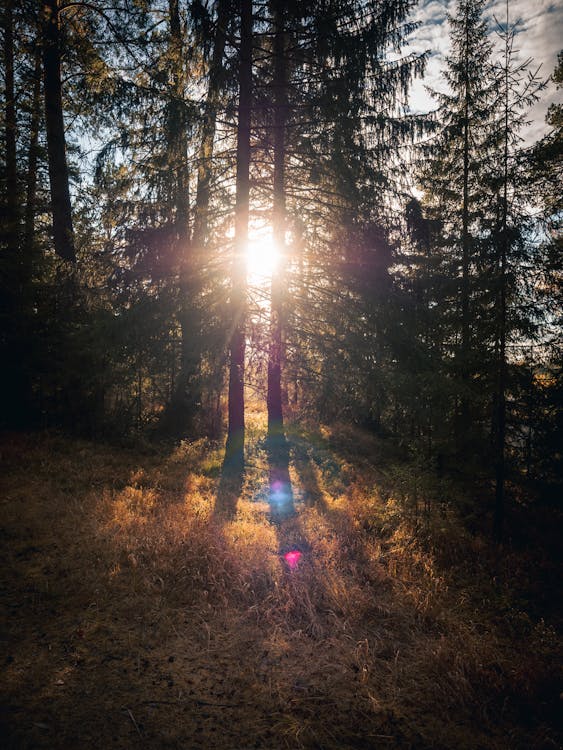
(261, 258)
(292, 558)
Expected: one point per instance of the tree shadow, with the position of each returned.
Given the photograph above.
(292, 544)
(280, 496)
(230, 485)
(313, 495)
(305, 457)
(282, 512)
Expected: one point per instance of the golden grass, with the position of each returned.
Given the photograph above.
(140, 614)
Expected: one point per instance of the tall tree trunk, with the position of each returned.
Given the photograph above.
(63, 232)
(235, 435)
(186, 394)
(500, 432)
(205, 170)
(12, 395)
(465, 243)
(465, 249)
(178, 416)
(281, 491)
(190, 287)
(11, 205)
(32, 156)
(501, 392)
(274, 397)
(177, 134)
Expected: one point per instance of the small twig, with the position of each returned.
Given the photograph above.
(134, 723)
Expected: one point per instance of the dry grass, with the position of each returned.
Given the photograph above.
(140, 614)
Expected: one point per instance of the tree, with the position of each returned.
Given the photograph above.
(342, 105)
(542, 399)
(279, 86)
(237, 345)
(453, 180)
(63, 232)
(517, 93)
(11, 203)
(187, 391)
(32, 166)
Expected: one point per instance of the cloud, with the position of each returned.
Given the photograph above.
(539, 36)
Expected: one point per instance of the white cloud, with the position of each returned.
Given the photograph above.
(540, 35)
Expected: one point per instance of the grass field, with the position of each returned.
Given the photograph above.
(147, 603)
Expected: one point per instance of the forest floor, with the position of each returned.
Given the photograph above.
(143, 608)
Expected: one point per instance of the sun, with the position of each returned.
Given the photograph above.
(261, 258)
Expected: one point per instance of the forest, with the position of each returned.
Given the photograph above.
(281, 398)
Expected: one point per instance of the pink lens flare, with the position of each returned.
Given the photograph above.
(292, 558)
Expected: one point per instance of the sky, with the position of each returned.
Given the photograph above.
(540, 36)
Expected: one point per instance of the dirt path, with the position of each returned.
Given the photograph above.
(136, 613)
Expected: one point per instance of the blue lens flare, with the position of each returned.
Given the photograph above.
(280, 494)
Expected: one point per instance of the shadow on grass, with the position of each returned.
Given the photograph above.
(307, 473)
(292, 543)
(308, 461)
(280, 496)
(230, 484)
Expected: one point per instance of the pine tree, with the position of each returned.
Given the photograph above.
(343, 123)
(237, 344)
(63, 232)
(453, 181)
(10, 223)
(518, 90)
(279, 85)
(541, 393)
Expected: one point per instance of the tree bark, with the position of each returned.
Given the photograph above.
(465, 322)
(186, 395)
(500, 433)
(190, 286)
(63, 232)
(274, 396)
(498, 521)
(235, 435)
(32, 157)
(205, 171)
(177, 134)
(12, 351)
(11, 205)
(179, 414)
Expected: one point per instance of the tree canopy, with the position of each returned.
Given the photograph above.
(416, 281)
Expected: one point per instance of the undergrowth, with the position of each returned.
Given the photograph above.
(140, 609)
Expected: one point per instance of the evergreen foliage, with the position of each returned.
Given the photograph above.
(132, 144)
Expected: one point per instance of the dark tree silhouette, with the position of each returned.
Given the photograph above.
(235, 436)
(63, 232)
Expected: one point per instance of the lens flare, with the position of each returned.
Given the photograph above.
(261, 258)
(280, 493)
(292, 558)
